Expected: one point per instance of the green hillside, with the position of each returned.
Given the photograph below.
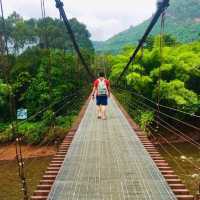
(182, 21)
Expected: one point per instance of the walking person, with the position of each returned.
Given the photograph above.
(101, 90)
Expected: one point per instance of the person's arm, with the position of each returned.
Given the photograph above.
(93, 92)
(108, 88)
(94, 89)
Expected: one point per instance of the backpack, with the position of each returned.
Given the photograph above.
(102, 88)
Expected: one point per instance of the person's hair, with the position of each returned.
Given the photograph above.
(101, 74)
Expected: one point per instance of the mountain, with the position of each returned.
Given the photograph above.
(182, 21)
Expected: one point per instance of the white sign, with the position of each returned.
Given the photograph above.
(22, 113)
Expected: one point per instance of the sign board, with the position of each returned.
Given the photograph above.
(22, 113)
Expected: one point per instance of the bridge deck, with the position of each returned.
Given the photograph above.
(107, 161)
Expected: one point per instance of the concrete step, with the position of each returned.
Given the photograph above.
(169, 176)
(51, 173)
(46, 182)
(44, 187)
(41, 192)
(181, 191)
(39, 197)
(173, 181)
(162, 164)
(53, 168)
(163, 168)
(184, 197)
(56, 161)
(168, 172)
(49, 177)
(177, 186)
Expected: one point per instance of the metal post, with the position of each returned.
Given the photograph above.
(20, 162)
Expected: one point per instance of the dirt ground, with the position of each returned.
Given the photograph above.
(8, 152)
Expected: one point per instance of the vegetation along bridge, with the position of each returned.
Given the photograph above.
(111, 159)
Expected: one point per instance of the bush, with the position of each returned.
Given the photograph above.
(6, 136)
(55, 133)
(65, 122)
(32, 132)
(146, 119)
(3, 126)
(48, 117)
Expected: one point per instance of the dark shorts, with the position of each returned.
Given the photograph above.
(102, 100)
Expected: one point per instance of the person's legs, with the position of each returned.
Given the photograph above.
(98, 103)
(101, 102)
(104, 105)
(103, 112)
(99, 111)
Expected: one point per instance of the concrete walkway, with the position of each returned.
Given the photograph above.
(106, 161)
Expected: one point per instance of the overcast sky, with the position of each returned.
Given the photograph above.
(103, 18)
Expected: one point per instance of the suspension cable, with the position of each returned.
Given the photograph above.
(60, 5)
(167, 152)
(177, 150)
(161, 60)
(68, 99)
(41, 6)
(172, 128)
(181, 169)
(48, 106)
(44, 9)
(161, 6)
(153, 102)
(181, 134)
(70, 102)
(174, 118)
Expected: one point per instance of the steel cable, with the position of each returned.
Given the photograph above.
(181, 153)
(153, 102)
(181, 134)
(160, 8)
(172, 128)
(174, 118)
(60, 5)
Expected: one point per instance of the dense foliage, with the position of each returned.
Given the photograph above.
(35, 77)
(182, 21)
(44, 32)
(179, 74)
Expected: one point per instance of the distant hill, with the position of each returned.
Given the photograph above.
(182, 21)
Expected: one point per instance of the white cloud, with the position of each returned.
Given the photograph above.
(103, 18)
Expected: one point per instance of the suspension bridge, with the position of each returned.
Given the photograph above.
(107, 159)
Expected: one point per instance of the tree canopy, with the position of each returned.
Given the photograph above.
(46, 32)
(178, 68)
